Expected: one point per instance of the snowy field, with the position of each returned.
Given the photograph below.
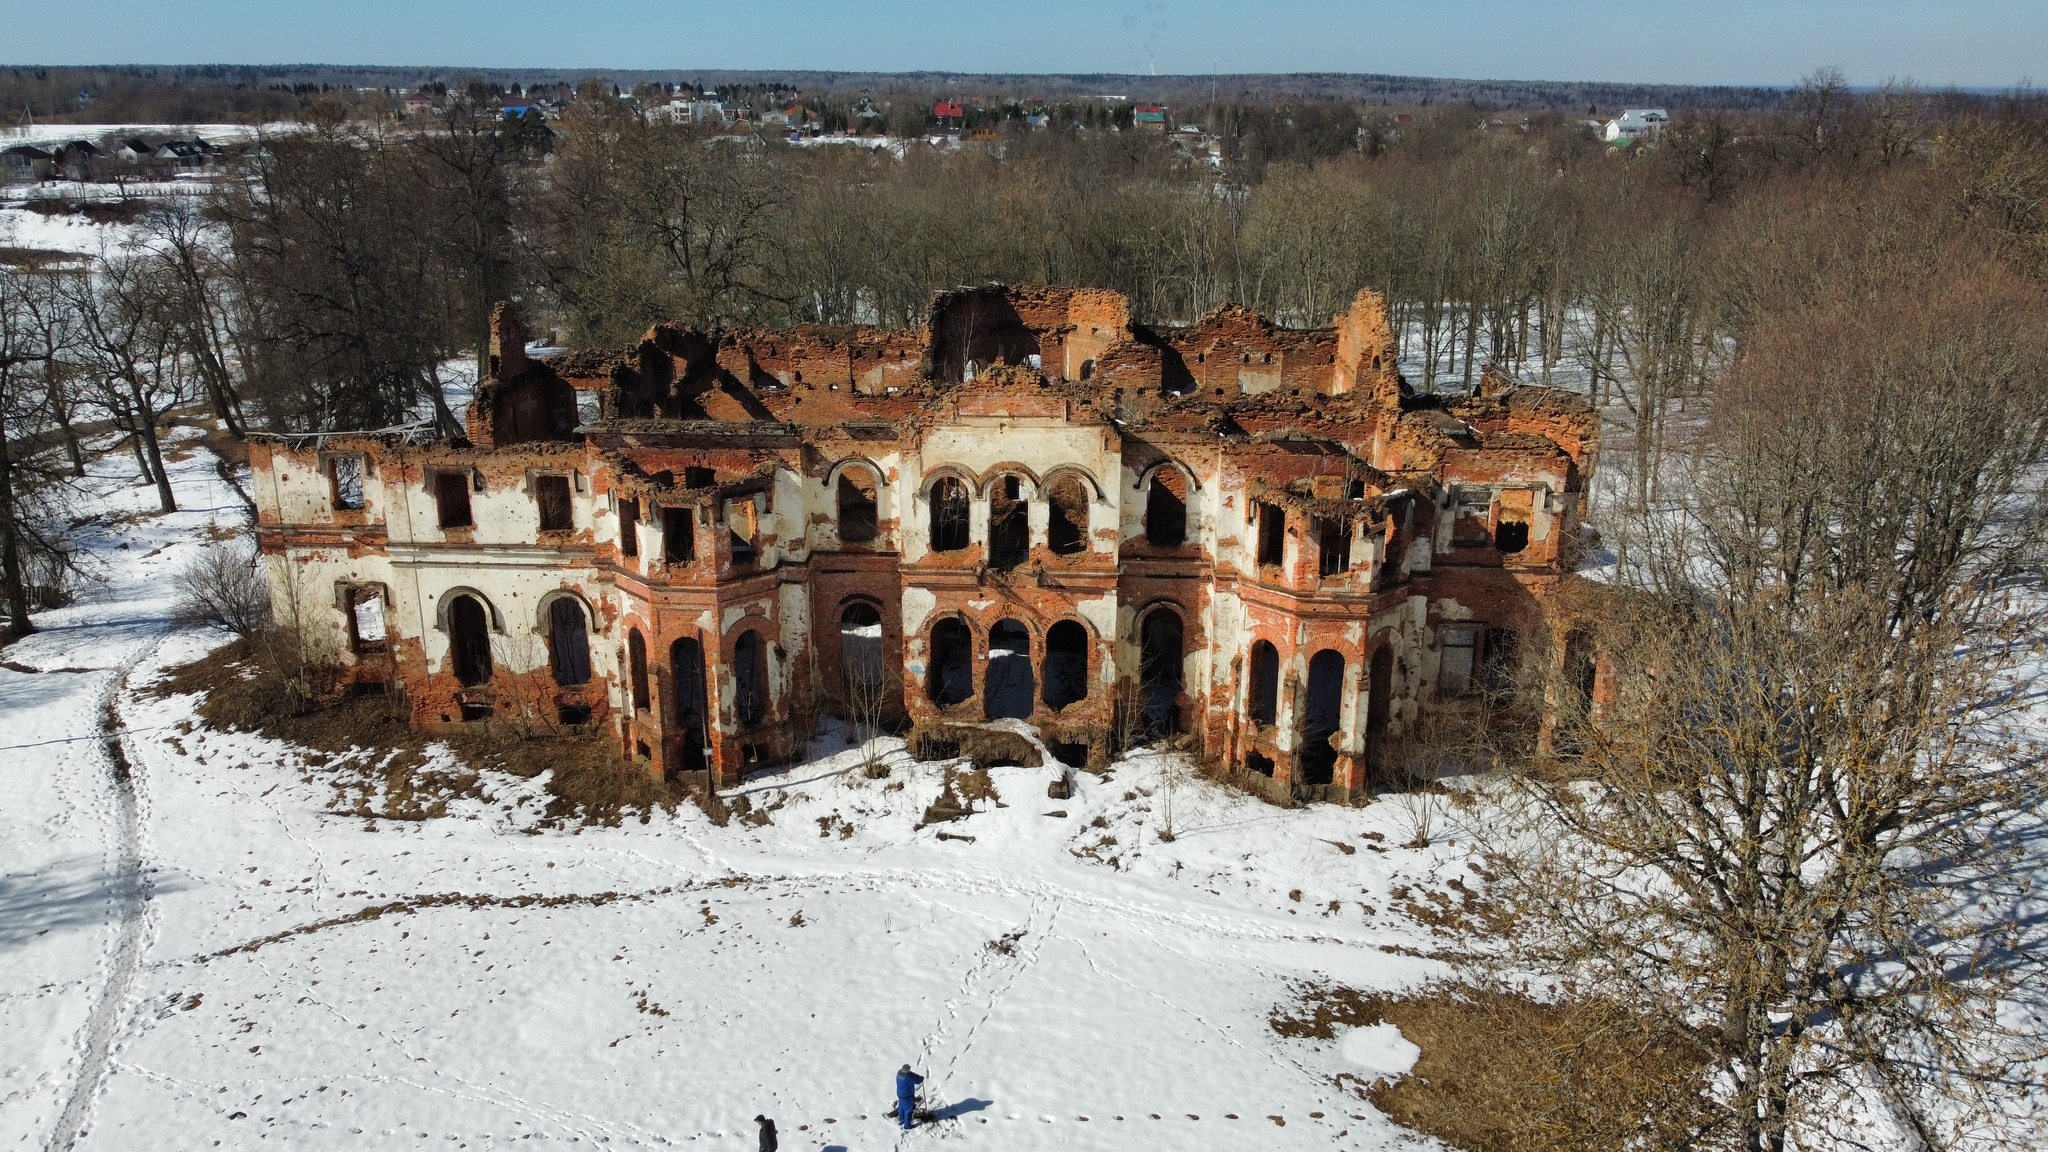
(216, 956)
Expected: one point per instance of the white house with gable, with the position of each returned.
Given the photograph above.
(1636, 123)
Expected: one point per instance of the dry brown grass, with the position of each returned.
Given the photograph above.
(389, 774)
(1500, 1072)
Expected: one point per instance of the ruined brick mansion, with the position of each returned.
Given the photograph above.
(1032, 508)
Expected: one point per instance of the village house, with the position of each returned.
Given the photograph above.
(1636, 124)
(1030, 508)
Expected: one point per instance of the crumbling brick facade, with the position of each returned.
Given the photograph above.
(1032, 508)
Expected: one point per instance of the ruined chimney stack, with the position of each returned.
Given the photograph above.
(508, 342)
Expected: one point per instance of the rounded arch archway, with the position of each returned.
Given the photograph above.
(1162, 656)
(856, 485)
(565, 621)
(949, 670)
(947, 501)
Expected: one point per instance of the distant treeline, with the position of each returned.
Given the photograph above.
(238, 93)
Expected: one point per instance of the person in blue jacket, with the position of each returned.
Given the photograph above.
(906, 1096)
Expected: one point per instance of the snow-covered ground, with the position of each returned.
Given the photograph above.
(217, 955)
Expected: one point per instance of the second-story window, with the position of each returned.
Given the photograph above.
(948, 515)
(345, 477)
(1272, 533)
(679, 535)
(742, 519)
(629, 527)
(1333, 542)
(451, 499)
(551, 495)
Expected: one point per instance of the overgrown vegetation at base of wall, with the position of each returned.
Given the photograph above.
(1501, 1072)
(381, 767)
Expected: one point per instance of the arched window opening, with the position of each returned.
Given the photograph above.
(1087, 369)
(1009, 691)
(636, 665)
(1379, 707)
(1066, 664)
(1066, 521)
(686, 665)
(1166, 510)
(1161, 656)
(948, 515)
(951, 679)
(860, 651)
(857, 507)
(469, 640)
(750, 679)
(568, 642)
(1262, 699)
(1009, 523)
(1321, 716)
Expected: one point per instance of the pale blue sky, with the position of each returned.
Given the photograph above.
(1986, 43)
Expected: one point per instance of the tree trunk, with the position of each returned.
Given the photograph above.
(145, 423)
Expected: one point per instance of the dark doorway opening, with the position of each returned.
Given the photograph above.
(750, 679)
(568, 642)
(1161, 655)
(1321, 716)
(1009, 690)
(686, 666)
(469, 639)
(1379, 706)
(1262, 695)
(1066, 664)
(951, 678)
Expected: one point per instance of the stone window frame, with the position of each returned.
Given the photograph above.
(345, 594)
(578, 485)
(327, 462)
(834, 474)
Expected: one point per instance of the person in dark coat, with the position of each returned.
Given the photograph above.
(767, 1133)
(906, 1096)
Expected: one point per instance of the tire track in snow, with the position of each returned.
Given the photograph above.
(131, 899)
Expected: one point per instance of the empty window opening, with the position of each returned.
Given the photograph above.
(1166, 510)
(551, 494)
(1321, 716)
(1272, 534)
(1161, 656)
(679, 535)
(469, 640)
(860, 656)
(1261, 764)
(345, 475)
(1071, 753)
(1333, 544)
(1010, 690)
(1458, 660)
(569, 715)
(476, 710)
(1066, 664)
(948, 515)
(1262, 696)
(1066, 520)
(366, 620)
(629, 527)
(857, 507)
(750, 679)
(1579, 671)
(1087, 369)
(952, 667)
(568, 642)
(451, 499)
(1009, 523)
(686, 669)
(1379, 707)
(699, 477)
(743, 525)
(636, 665)
(1473, 507)
(1511, 536)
